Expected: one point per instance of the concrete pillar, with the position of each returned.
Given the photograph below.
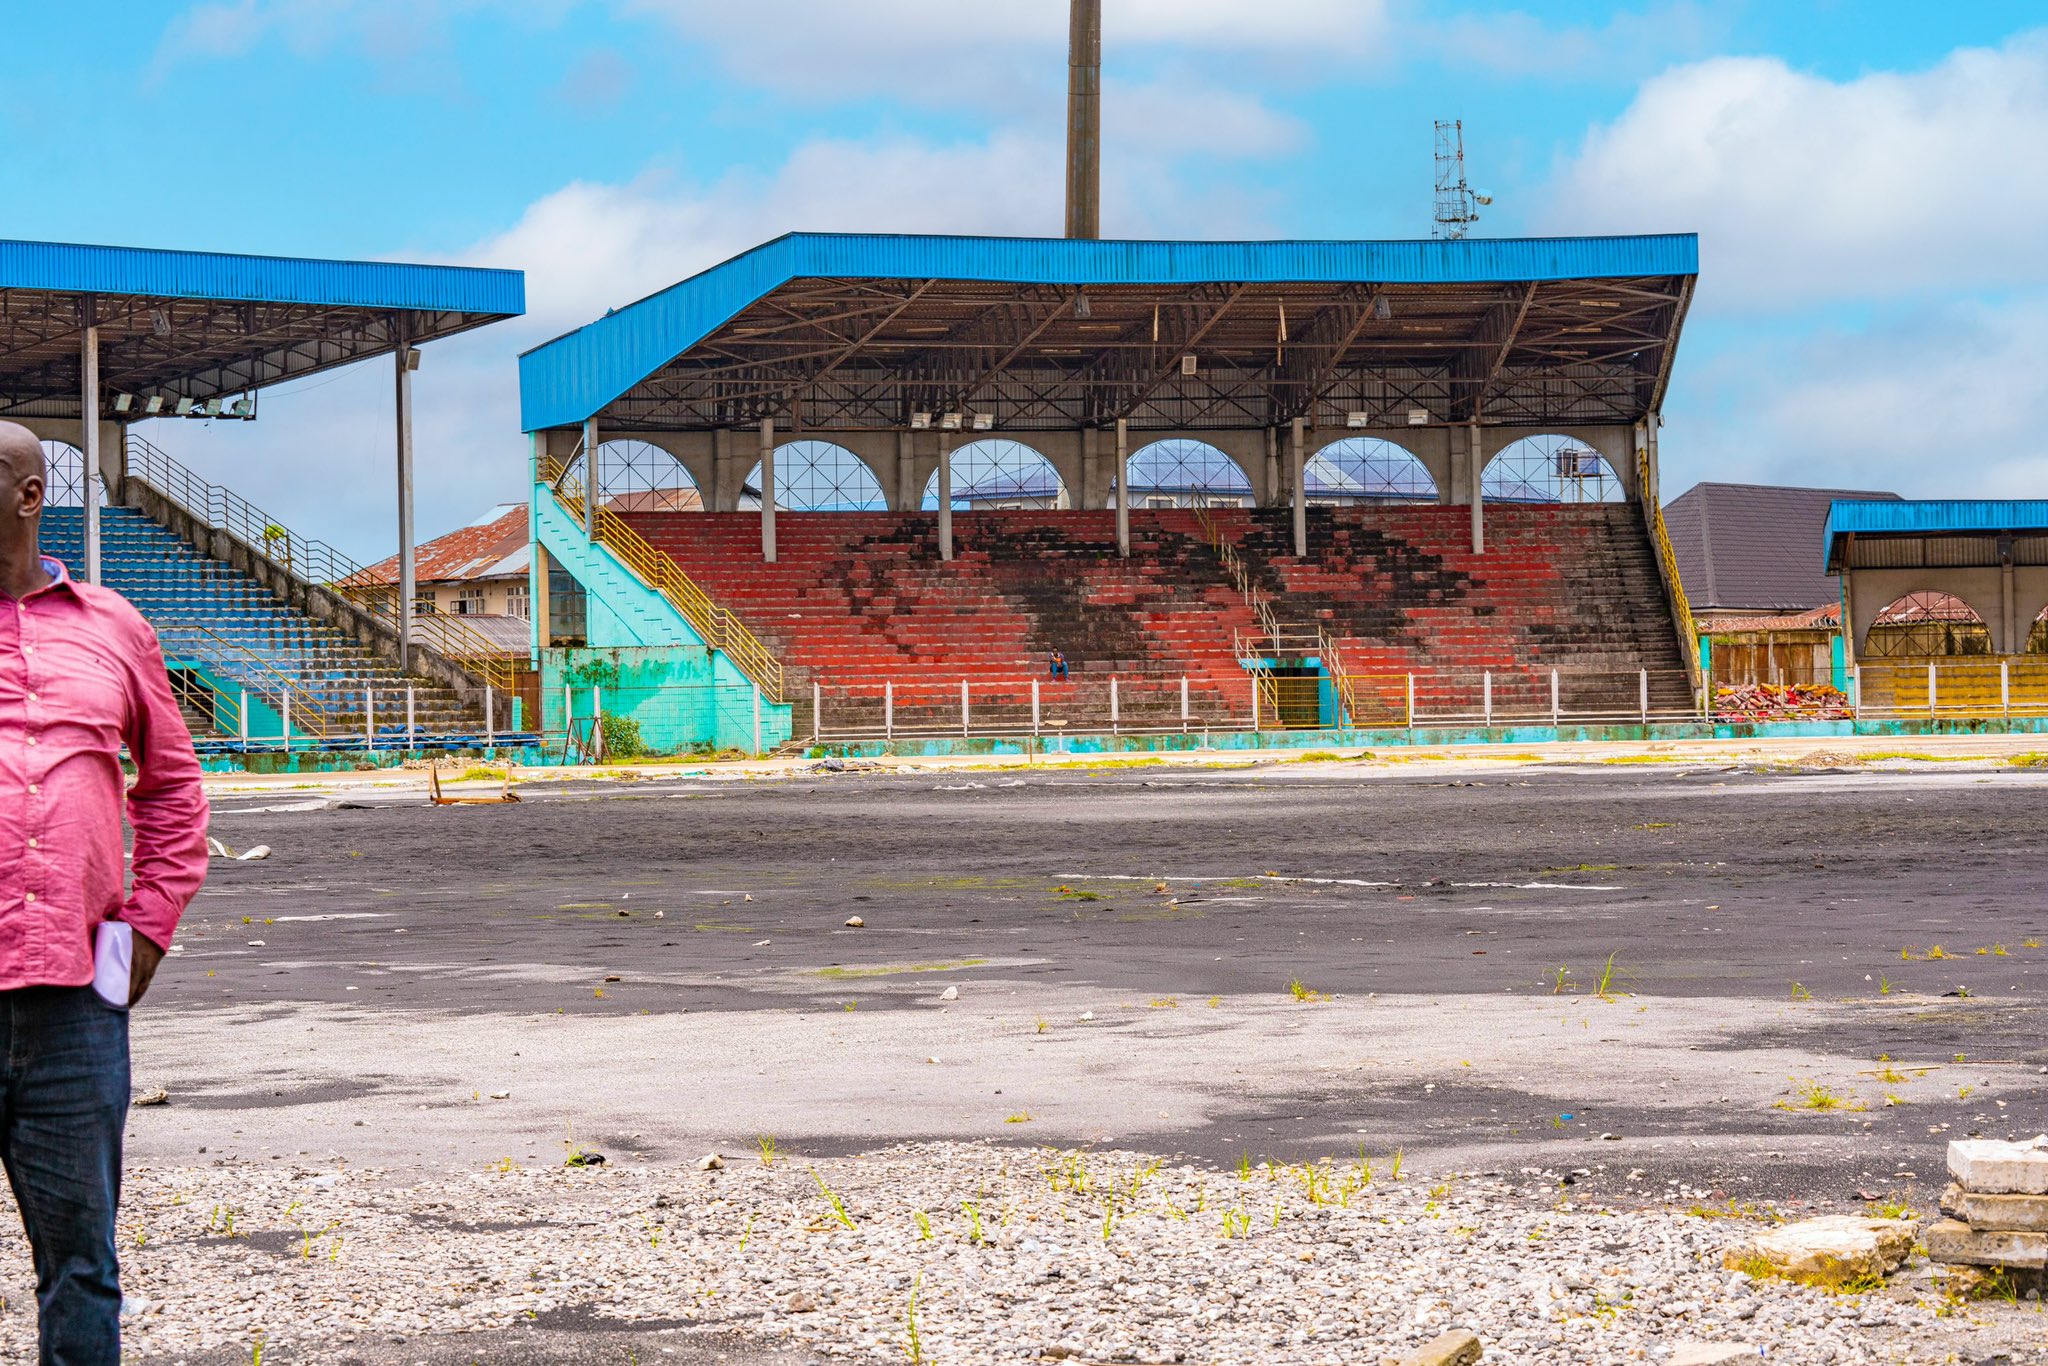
(1272, 468)
(404, 360)
(591, 491)
(537, 590)
(1082, 493)
(1297, 471)
(2011, 642)
(89, 433)
(1475, 465)
(768, 489)
(945, 495)
(906, 473)
(1123, 490)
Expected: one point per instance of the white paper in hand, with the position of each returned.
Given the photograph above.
(113, 956)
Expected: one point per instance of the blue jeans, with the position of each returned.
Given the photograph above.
(63, 1104)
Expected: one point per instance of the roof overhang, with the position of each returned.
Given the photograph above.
(203, 325)
(1955, 520)
(849, 331)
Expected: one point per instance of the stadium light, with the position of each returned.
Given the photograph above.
(123, 402)
(244, 409)
(185, 406)
(1418, 417)
(154, 406)
(1188, 364)
(984, 422)
(950, 422)
(160, 322)
(1382, 309)
(213, 407)
(412, 358)
(1355, 420)
(920, 421)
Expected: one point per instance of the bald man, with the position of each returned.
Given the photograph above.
(81, 677)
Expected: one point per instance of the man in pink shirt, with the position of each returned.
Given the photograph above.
(80, 676)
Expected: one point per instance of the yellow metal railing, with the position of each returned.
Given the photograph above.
(314, 562)
(720, 629)
(1667, 560)
(248, 671)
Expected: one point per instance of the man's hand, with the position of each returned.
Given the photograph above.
(142, 966)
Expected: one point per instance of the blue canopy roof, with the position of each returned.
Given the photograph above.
(574, 377)
(1928, 517)
(204, 325)
(71, 268)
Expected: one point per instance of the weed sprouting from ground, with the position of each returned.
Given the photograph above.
(923, 1222)
(1800, 993)
(765, 1143)
(1812, 1095)
(974, 1232)
(1302, 991)
(913, 1343)
(832, 1198)
(1609, 983)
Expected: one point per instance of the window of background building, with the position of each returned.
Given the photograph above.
(469, 602)
(519, 601)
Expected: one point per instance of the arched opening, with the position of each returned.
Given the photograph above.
(1179, 473)
(66, 483)
(1550, 469)
(1927, 625)
(639, 476)
(817, 476)
(1364, 469)
(997, 474)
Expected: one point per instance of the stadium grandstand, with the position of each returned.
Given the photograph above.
(268, 642)
(863, 485)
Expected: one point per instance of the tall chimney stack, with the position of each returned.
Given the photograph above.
(1084, 120)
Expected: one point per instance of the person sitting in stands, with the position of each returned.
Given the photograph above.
(1056, 664)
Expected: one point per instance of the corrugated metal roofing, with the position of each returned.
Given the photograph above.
(564, 381)
(72, 268)
(1929, 517)
(1744, 547)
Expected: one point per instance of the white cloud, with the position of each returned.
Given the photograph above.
(1806, 189)
(1626, 45)
(1940, 400)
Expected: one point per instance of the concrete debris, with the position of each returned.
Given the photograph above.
(1713, 1354)
(251, 855)
(1988, 1167)
(1832, 1250)
(1955, 1242)
(950, 994)
(2013, 1213)
(501, 1095)
(1999, 1206)
(1772, 702)
(854, 922)
(1459, 1347)
(710, 1162)
(156, 1095)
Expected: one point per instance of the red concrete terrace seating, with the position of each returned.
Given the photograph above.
(856, 599)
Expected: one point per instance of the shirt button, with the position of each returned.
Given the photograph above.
(32, 697)
(31, 739)
(32, 844)
(31, 896)
(34, 788)
(28, 649)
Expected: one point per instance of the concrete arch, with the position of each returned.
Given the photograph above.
(1361, 468)
(1877, 592)
(1550, 467)
(815, 475)
(1178, 471)
(64, 484)
(997, 472)
(634, 475)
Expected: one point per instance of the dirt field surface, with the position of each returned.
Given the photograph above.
(1780, 980)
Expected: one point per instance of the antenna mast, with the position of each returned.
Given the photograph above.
(1457, 207)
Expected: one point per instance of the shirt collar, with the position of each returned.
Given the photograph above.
(60, 577)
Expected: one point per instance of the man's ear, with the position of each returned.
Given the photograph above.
(30, 492)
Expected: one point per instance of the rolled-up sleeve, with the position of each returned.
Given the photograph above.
(166, 806)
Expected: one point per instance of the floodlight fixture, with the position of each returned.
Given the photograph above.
(245, 408)
(1382, 309)
(160, 321)
(950, 422)
(920, 421)
(1188, 364)
(412, 358)
(154, 406)
(213, 407)
(1418, 417)
(1356, 420)
(185, 407)
(123, 402)
(984, 422)
(1082, 308)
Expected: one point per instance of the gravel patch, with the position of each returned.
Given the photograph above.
(1012, 1254)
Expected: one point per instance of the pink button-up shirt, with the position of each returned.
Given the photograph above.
(80, 675)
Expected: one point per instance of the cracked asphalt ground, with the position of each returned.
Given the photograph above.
(664, 965)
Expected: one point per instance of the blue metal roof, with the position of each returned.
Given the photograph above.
(1928, 517)
(566, 380)
(68, 268)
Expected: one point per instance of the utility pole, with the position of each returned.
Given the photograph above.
(1084, 119)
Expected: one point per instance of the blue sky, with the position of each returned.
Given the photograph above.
(1866, 178)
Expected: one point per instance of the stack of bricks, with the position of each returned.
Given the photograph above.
(1997, 1209)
